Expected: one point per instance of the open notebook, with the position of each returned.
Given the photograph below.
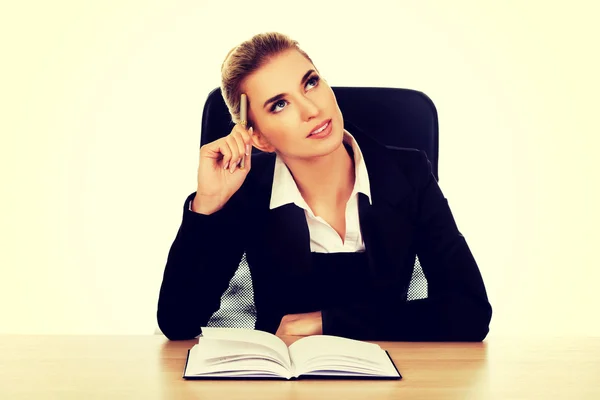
(246, 353)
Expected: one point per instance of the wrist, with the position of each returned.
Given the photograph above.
(205, 206)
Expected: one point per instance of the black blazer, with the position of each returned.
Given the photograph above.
(408, 216)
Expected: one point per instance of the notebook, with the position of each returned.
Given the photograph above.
(239, 353)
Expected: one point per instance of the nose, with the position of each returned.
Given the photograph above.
(309, 109)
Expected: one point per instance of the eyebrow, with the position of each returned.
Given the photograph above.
(282, 95)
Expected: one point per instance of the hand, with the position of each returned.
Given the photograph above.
(218, 174)
(305, 324)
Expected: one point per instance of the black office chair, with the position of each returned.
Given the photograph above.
(394, 117)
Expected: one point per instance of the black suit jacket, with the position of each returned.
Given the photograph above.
(408, 216)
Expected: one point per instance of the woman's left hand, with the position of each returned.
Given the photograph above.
(304, 324)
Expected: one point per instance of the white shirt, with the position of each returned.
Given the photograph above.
(323, 238)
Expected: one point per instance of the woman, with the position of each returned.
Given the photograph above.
(330, 220)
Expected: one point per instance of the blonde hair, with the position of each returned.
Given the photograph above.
(246, 58)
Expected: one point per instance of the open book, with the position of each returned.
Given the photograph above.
(247, 353)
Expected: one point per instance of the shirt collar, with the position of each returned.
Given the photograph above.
(285, 190)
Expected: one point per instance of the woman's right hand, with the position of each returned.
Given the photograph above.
(219, 175)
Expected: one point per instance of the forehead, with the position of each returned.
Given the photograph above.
(281, 74)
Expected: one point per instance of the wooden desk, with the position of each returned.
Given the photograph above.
(150, 367)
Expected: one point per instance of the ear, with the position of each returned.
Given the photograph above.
(261, 142)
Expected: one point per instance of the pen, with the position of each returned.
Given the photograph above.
(243, 122)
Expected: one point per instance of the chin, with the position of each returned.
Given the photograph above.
(332, 143)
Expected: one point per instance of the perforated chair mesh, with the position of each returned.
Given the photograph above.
(237, 308)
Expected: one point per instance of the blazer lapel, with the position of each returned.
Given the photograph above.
(285, 238)
(386, 224)
(288, 239)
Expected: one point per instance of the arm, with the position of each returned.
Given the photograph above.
(457, 308)
(202, 259)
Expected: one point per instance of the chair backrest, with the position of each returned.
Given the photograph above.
(395, 117)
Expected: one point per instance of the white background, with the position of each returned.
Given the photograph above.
(100, 112)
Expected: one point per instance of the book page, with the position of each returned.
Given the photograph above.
(250, 336)
(215, 351)
(334, 353)
(228, 358)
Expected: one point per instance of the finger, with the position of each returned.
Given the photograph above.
(237, 136)
(217, 150)
(248, 159)
(244, 133)
(235, 152)
(248, 149)
(249, 142)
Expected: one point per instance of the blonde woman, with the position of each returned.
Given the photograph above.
(330, 220)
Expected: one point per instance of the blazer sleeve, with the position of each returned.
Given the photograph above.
(202, 259)
(457, 307)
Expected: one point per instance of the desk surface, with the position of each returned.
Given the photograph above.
(150, 367)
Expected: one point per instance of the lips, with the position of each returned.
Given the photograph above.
(319, 127)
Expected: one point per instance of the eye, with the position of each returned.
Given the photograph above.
(314, 79)
(274, 106)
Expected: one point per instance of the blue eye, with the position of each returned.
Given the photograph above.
(314, 79)
(275, 105)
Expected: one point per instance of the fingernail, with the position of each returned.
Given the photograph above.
(251, 130)
(226, 165)
(248, 149)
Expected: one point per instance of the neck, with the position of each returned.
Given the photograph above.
(324, 180)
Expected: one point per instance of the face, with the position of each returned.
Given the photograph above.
(287, 100)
